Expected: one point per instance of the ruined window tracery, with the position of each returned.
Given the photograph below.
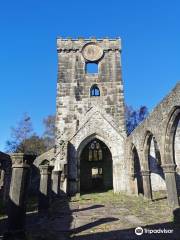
(95, 151)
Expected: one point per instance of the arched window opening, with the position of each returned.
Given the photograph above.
(95, 92)
(152, 163)
(91, 68)
(95, 151)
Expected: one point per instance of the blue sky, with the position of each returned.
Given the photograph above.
(150, 33)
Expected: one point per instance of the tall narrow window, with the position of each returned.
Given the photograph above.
(95, 92)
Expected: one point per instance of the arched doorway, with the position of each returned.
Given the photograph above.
(152, 163)
(95, 167)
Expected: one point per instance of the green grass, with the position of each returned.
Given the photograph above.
(150, 212)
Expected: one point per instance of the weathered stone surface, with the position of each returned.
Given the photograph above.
(45, 188)
(49, 156)
(154, 142)
(18, 195)
(81, 118)
(56, 175)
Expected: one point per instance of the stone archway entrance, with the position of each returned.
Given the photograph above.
(95, 167)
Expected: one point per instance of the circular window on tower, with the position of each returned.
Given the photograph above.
(92, 52)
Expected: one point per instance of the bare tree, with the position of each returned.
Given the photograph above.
(49, 133)
(134, 117)
(23, 139)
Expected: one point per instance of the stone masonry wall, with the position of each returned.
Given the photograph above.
(157, 176)
(156, 124)
(74, 103)
(73, 87)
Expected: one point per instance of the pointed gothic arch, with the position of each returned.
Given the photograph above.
(94, 91)
(170, 131)
(95, 172)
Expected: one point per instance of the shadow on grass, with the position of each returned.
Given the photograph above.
(61, 218)
(88, 208)
(129, 234)
(158, 199)
(94, 224)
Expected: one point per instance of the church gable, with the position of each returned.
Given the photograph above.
(97, 124)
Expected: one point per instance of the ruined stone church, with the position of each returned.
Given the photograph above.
(92, 148)
(90, 114)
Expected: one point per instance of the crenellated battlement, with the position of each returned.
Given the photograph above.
(70, 44)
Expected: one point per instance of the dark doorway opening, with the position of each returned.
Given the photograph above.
(95, 167)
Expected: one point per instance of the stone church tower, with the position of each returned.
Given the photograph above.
(90, 118)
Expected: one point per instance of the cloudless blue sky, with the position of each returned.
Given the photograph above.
(150, 33)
